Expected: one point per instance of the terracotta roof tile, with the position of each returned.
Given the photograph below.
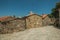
(44, 16)
(5, 18)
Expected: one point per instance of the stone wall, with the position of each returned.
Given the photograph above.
(13, 26)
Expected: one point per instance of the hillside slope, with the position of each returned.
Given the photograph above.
(42, 33)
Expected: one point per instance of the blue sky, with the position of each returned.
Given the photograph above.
(23, 7)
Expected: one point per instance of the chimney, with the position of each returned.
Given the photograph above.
(30, 13)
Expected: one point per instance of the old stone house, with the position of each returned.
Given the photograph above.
(17, 24)
(46, 20)
(13, 25)
(33, 20)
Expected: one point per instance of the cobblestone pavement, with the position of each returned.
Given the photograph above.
(42, 33)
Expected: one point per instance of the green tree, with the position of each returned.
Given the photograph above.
(55, 12)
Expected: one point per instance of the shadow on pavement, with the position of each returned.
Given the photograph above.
(57, 26)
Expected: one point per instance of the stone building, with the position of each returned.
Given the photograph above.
(46, 20)
(33, 20)
(14, 25)
(18, 24)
